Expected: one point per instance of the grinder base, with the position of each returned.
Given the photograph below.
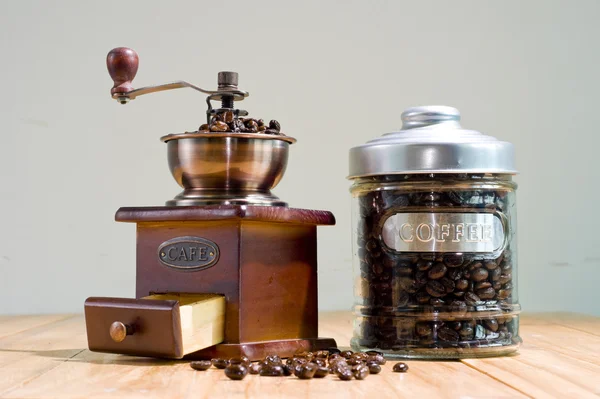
(259, 350)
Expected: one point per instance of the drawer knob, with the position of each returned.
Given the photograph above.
(118, 331)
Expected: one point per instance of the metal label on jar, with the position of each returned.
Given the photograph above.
(188, 253)
(444, 232)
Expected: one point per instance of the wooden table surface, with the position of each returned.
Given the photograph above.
(46, 357)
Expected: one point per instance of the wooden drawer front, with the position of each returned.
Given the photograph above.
(168, 326)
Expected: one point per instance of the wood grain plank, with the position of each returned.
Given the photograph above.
(47, 361)
(576, 321)
(14, 324)
(564, 340)
(32, 352)
(542, 374)
(94, 375)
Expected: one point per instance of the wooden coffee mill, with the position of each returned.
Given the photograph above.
(225, 268)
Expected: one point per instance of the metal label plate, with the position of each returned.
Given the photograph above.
(188, 253)
(444, 232)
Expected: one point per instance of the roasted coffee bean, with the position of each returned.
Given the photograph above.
(455, 325)
(435, 289)
(251, 126)
(495, 274)
(436, 302)
(274, 125)
(407, 284)
(254, 368)
(354, 361)
(454, 260)
(503, 294)
(379, 359)
(447, 334)
(491, 265)
(505, 278)
(462, 284)
(332, 358)
(346, 354)
(486, 293)
(227, 116)
(273, 359)
(506, 267)
(219, 126)
(321, 372)
(361, 372)
(437, 271)
(204, 128)
(374, 368)
(454, 274)
(321, 354)
(271, 131)
(240, 360)
(448, 284)
(400, 367)
(236, 371)
(345, 374)
(491, 324)
(479, 274)
(422, 297)
(423, 329)
(287, 370)
(458, 308)
(482, 284)
(360, 356)
(420, 278)
(220, 363)
(301, 353)
(237, 126)
(260, 122)
(424, 265)
(471, 298)
(262, 128)
(466, 332)
(475, 265)
(201, 365)
(307, 371)
(271, 371)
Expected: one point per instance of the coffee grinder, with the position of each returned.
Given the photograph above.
(225, 268)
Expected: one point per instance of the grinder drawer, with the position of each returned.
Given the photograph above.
(169, 325)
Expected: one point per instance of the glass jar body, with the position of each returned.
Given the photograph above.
(435, 265)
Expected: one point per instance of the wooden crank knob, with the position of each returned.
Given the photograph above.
(118, 331)
(122, 64)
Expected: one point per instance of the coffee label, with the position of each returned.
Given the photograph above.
(188, 253)
(444, 232)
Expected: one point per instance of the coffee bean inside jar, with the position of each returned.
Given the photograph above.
(434, 253)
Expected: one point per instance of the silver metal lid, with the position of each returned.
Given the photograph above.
(432, 141)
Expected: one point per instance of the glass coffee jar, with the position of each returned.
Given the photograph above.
(434, 241)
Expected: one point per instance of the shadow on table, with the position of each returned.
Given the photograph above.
(85, 356)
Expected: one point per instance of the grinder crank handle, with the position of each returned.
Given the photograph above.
(122, 64)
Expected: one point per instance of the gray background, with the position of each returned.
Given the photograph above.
(335, 74)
